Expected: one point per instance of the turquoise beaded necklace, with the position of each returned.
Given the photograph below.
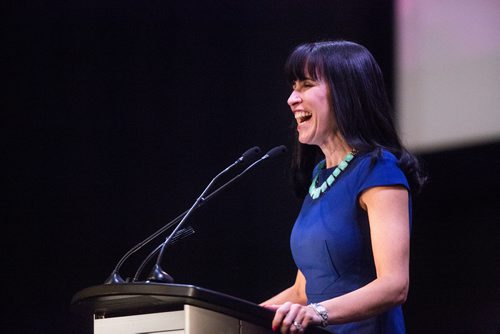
(315, 191)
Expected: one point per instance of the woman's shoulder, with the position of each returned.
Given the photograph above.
(379, 167)
(388, 155)
(378, 156)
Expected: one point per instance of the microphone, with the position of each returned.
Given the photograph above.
(271, 154)
(275, 152)
(114, 278)
(249, 155)
(157, 274)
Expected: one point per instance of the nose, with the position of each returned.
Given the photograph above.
(294, 99)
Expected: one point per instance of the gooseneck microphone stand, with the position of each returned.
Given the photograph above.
(275, 152)
(158, 274)
(115, 278)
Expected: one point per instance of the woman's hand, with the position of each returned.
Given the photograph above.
(293, 318)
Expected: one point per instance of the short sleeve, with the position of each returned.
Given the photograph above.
(384, 172)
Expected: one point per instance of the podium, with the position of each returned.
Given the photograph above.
(133, 308)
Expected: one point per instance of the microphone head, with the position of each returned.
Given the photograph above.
(276, 152)
(250, 155)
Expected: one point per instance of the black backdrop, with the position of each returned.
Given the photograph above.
(120, 112)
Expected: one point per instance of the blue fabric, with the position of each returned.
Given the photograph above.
(331, 244)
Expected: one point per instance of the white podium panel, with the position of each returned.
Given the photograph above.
(158, 323)
(192, 320)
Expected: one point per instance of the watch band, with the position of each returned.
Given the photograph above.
(322, 312)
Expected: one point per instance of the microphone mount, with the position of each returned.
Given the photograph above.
(157, 274)
(115, 277)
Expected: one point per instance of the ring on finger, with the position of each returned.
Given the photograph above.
(298, 326)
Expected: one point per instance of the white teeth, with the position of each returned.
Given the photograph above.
(299, 114)
(302, 116)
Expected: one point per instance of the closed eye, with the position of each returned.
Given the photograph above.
(308, 83)
(298, 84)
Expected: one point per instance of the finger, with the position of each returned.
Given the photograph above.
(272, 307)
(280, 314)
(287, 324)
(298, 325)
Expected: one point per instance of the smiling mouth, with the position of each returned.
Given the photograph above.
(302, 116)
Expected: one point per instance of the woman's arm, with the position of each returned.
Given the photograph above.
(295, 294)
(388, 216)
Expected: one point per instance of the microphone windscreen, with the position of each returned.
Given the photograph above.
(250, 155)
(277, 151)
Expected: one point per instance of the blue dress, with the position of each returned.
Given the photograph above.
(331, 244)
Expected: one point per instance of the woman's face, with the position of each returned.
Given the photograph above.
(310, 104)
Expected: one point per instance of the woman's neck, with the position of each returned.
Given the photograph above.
(335, 151)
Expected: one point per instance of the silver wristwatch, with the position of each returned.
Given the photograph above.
(321, 311)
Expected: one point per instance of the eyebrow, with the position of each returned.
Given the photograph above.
(306, 78)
